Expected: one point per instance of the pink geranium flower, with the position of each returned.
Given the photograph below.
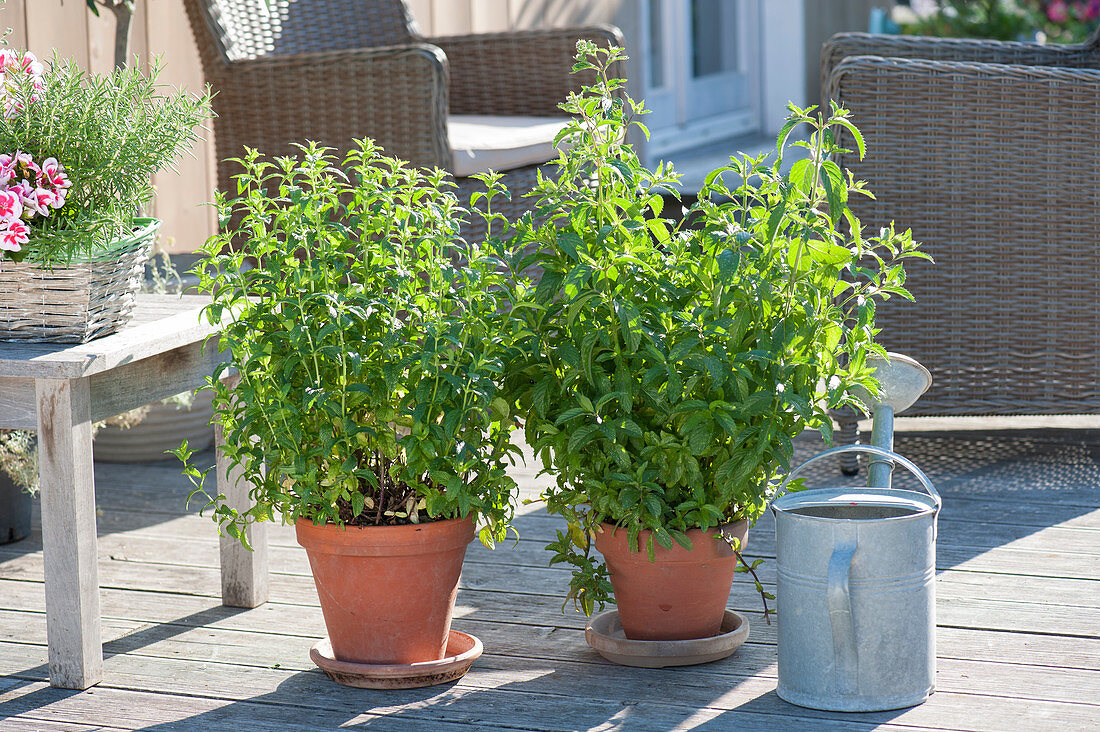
(48, 199)
(24, 162)
(11, 207)
(1058, 11)
(14, 236)
(31, 65)
(52, 175)
(29, 198)
(7, 168)
(9, 59)
(27, 190)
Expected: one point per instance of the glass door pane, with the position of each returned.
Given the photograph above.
(657, 46)
(715, 40)
(718, 83)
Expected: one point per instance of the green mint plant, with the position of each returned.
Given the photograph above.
(369, 362)
(663, 370)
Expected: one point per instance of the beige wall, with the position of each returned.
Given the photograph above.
(159, 28)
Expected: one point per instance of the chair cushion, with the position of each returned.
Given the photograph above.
(482, 142)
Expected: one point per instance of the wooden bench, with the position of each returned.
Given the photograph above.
(60, 390)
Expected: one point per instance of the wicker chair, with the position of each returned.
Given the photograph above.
(336, 70)
(990, 151)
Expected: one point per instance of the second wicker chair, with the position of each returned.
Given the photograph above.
(989, 151)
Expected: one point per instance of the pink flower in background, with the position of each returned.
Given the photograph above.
(32, 66)
(1092, 11)
(13, 65)
(14, 236)
(11, 207)
(9, 58)
(7, 168)
(1058, 11)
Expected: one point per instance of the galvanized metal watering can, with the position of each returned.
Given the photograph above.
(856, 589)
(856, 593)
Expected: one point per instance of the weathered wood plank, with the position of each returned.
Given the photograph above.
(495, 592)
(139, 710)
(548, 644)
(69, 532)
(538, 615)
(32, 724)
(981, 547)
(178, 325)
(989, 511)
(150, 546)
(244, 573)
(1016, 559)
(138, 383)
(530, 694)
(17, 404)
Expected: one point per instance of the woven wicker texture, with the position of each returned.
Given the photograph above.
(337, 70)
(74, 304)
(994, 163)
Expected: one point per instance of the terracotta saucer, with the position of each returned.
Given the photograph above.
(462, 650)
(605, 634)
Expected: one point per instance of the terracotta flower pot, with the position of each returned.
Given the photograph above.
(387, 592)
(679, 596)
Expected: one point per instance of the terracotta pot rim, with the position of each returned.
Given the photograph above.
(616, 528)
(424, 538)
(615, 539)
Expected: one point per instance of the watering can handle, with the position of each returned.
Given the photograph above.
(872, 449)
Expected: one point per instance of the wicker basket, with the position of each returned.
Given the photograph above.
(75, 304)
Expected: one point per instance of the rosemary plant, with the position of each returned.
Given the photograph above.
(109, 134)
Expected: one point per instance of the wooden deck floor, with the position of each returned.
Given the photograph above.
(1018, 613)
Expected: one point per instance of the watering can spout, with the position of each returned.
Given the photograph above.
(902, 380)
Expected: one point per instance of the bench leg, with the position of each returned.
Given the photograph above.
(69, 532)
(244, 573)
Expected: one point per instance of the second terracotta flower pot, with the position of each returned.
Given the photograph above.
(387, 592)
(679, 596)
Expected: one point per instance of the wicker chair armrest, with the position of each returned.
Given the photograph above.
(843, 45)
(396, 95)
(517, 73)
(978, 124)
